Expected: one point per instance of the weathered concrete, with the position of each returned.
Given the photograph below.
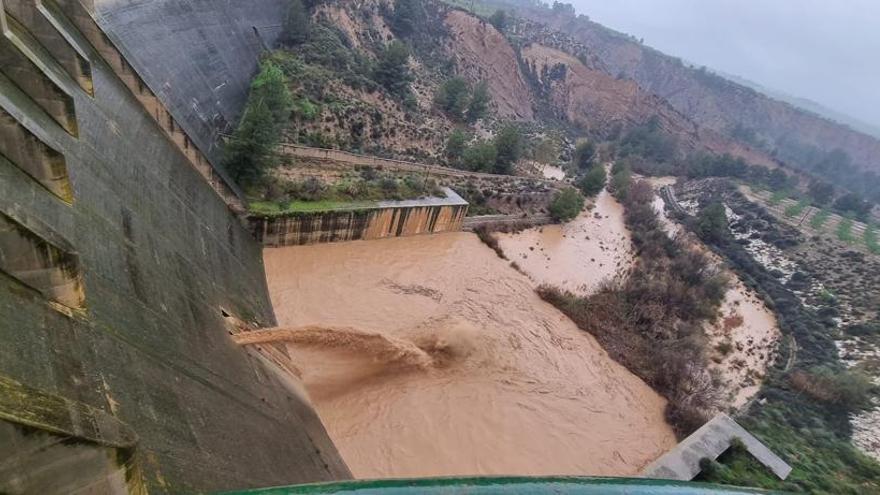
(198, 56)
(710, 441)
(379, 221)
(160, 253)
(514, 221)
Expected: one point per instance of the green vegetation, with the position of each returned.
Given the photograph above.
(547, 151)
(499, 20)
(621, 177)
(844, 230)
(456, 99)
(821, 192)
(593, 181)
(456, 144)
(250, 152)
(406, 16)
(648, 141)
(392, 70)
(584, 154)
(822, 461)
(711, 222)
(871, 239)
(479, 104)
(566, 205)
(497, 156)
(509, 147)
(819, 219)
(777, 197)
(480, 157)
(651, 321)
(452, 97)
(852, 204)
(803, 412)
(796, 209)
(357, 191)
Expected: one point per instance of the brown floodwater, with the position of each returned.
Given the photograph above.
(430, 356)
(577, 256)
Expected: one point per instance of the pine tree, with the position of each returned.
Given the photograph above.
(452, 97)
(455, 147)
(406, 13)
(392, 69)
(479, 103)
(509, 145)
(249, 153)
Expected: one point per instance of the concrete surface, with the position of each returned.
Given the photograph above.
(710, 441)
(160, 253)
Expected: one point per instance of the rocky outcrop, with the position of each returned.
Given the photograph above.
(599, 103)
(709, 100)
(484, 54)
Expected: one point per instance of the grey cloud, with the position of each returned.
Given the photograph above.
(824, 50)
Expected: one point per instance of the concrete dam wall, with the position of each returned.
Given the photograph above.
(387, 219)
(119, 259)
(197, 56)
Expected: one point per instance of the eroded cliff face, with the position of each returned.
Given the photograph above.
(710, 101)
(483, 53)
(596, 101)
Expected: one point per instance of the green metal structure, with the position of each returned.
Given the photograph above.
(505, 486)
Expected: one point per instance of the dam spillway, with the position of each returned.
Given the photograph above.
(382, 220)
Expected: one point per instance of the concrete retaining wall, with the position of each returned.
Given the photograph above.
(405, 218)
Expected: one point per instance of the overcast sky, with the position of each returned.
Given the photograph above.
(824, 50)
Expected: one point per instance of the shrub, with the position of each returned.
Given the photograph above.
(852, 204)
(455, 147)
(796, 209)
(862, 329)
(389, 185)
(479, 103)
(711, 223)
(847, 390)
(452, 97)
(392, 70)
(819, 219)
(499, 20)
(312, 189)
(508, 146)
(648, 140)
(584, 154)
(844, 230)
(489, 239)
(480, 157)
(593, 182)
(566, 205)
(724, 348)
(871, 239)
(405, 19)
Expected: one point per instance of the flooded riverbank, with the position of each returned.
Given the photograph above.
(577, 256)
(507, 385)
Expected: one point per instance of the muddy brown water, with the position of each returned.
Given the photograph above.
(438, 359)
(577, 256)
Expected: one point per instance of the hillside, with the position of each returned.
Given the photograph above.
(544, 82)
(798, 137)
